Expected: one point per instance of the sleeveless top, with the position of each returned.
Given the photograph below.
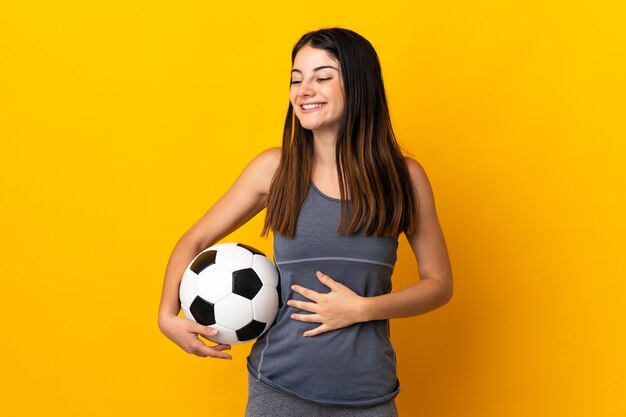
(355, 365)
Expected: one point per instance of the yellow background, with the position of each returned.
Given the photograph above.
(122, 122)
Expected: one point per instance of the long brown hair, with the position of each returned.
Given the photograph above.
(371, 168)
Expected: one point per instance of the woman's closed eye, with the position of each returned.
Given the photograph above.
(318, 80)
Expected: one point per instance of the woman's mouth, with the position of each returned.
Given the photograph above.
(311, 107)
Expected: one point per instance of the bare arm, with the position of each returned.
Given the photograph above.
(434, 288)
(245, 198)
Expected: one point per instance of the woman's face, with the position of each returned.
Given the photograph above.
(317, 90)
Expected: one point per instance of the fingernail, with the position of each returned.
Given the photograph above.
(212, 332)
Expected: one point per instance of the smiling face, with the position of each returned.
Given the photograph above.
(317, 90)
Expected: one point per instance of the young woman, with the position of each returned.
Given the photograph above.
(337, 194)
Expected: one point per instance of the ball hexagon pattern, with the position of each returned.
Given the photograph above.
(233, 288)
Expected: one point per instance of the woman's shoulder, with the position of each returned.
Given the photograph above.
(419, 179)
(270, 156)
(266, 162)
(416, 170)
(261, 169)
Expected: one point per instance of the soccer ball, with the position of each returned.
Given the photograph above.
(234, 289)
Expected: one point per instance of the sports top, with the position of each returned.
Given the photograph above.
(353, 366)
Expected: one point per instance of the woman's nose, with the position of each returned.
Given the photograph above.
(305, 90)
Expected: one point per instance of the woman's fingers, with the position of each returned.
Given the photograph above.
(303, 305)
(221, 347)
(305, 292)
(328, 281)
(205, 331)
(198, 348)
(186, 334)
(340, 307)
(322, 328)
(311, 318)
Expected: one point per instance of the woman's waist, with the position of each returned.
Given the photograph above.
(364, 345)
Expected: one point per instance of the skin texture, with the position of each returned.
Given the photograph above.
(340, 306)
(316, 78)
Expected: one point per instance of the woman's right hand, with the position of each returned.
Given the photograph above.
(185, 333)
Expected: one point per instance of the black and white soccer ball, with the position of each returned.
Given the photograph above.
(234, 289)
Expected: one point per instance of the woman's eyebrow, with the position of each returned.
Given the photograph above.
(316, 68)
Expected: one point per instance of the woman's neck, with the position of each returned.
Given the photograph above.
(324, 169)
(324, 150)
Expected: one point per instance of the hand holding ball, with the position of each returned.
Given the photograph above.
(232, 288)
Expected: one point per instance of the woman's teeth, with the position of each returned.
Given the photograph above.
(312, 106)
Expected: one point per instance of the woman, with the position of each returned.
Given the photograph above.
(337, 194)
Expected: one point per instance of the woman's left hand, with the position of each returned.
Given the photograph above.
(336, 309)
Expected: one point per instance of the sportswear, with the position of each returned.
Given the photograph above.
(353, 366)
(264, 401)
